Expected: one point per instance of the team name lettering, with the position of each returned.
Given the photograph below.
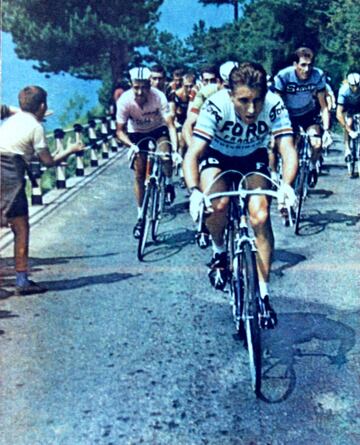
(235, 130)
(293, 88)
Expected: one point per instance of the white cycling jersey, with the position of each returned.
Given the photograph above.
(142, 119)
(349, 99)
(299, 95)
(219, 124)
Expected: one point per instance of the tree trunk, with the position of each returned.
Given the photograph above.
(119, 59)
(236, 10)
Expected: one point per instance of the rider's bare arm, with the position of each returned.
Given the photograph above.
(191, 162)
(340, 116)
(289, 157)
(188, 127)
(325, 112)
(122, 135)
(169, 119)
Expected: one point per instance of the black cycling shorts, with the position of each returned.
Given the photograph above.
(257, 161)
(142, 139)
(305, 121)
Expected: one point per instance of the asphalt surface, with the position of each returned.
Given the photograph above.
(123, 352)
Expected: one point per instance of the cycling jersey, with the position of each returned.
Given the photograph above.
(181, 105)
(204, 93)
(349, 99)
(142, 119)
(299, 95)
(219, 124)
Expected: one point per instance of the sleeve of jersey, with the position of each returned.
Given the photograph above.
(341, 97)
(39, 139)
(165, 107)
(279, 83)
(206, 123)
(281, 124)
(121, 111)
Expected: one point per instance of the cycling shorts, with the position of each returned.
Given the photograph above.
(352, 109)
(142, 139)
(305, 121)
(257, 161)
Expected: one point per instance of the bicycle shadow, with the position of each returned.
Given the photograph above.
(288, 260)
(316, 334)
(168, 244)
(315, 223)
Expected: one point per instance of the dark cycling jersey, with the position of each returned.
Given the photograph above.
(299, 95)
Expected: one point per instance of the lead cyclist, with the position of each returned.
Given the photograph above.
(232, 132)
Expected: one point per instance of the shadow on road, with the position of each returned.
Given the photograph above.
(315, 223)
(289, 259)
(169, 243)
(320, 337)
(76, 283)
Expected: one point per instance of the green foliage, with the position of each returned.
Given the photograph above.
(87, 38)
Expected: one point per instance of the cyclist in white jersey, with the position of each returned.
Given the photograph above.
(143, 113)
(232, 132)
(303, 89)
(348, 104)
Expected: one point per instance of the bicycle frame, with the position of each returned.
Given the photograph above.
(354, 145)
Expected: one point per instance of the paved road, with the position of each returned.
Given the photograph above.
(122, 352)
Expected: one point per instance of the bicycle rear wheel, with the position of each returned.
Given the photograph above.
(146, 221)
(352, 162)
(250, 313)
(300, 193)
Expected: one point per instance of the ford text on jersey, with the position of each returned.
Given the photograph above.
(219, 124)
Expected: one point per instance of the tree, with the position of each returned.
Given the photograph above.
(234, 3)
(91, 39)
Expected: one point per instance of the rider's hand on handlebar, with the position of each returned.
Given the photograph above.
(196, 199)
(326, 139)
(286, 196)
(133, 149)
(353, 134)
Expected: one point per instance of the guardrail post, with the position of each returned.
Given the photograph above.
(80, 169)
(60, 169)
(36, 191)
(94, 162)
(104, 134)
(113, 143)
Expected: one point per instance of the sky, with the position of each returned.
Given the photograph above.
(177, 17)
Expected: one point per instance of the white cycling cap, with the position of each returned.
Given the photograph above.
(353, 79)
(226, 68)
(140, 73)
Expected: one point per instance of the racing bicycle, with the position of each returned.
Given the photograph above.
(354, 145)
(154, 196)
(249, 313)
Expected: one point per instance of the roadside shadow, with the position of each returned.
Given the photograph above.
(168, 244)
(327, 340)
(75, 283)
(288, 260)
(321, 193)
(314, 223)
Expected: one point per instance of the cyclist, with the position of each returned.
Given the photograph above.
(22, 137)
(143, 112)
(348, 104)
(232, 132)
(303, 89)
(158, 78)
(179, 101)
(204, 93)
(176, 82)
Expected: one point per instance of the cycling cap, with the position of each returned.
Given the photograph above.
(226, 68)
(353, 79)
(140, 73)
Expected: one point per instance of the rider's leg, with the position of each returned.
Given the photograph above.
(165, 147)
(139, 183)
(216, 221)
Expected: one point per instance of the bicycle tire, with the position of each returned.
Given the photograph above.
(146, 220)
(250, 313)
(300, 192)
(155, 212)
(352, 163)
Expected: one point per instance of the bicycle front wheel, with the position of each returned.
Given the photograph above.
(146, 221)
(155, 212)
(250, 313)
(300, 193)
